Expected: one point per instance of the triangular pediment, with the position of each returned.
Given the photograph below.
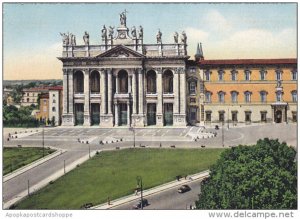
(120, 51)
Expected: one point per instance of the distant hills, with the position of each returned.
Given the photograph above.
(8, 83)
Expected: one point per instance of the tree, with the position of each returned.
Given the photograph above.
(263, 176)
(17, 93)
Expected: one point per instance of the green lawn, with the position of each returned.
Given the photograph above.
(113, 174)
(14, 158)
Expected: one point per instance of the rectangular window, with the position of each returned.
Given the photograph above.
(53, 109)
(294, 116)
(234, 116)
(193, 113)
(263, 116)
(262, 75)
(294, 75)
(54, 101)
(208, 116)
(278, 76)
(192, 87)
(207, 75)
(45, 101)
(208, 97)
(247, 75)
(221, 116)
(192, 100)
(233, 76)
(53, 95)
(248, 116)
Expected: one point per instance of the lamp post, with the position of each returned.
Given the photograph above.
(43, 141)
(133, 131)
(139, 181)
(228, 117)
(223, 134)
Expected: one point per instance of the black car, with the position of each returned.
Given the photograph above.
(184, 188)
(138, 205)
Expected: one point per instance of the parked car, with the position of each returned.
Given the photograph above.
(139, 204)
(184, 188)
(86, 206)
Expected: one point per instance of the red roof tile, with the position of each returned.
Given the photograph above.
(247, 61)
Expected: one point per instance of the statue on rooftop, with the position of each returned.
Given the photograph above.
(86, 38)
(176, 37)
(111, 31)
(140, 32)
(123, 18)
(183, 37)
(65, 39)
(133, 32)
(158, 36)
(104, 31)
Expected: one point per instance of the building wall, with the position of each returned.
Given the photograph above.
(29, 97)
(54, 105)
(255, 85)
(44, 109)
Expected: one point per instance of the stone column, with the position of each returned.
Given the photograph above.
(159, 107)
(103, 92)
(109, 91)
(134, 93)
(141, 92)
(129, 84)
(87, 119)
(181, 121)
(71, 93)
(128, 113)
(176, 91)
(117, 84)
(65, 92)
(116, 114)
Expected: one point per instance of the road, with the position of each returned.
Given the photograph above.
(169, 199)
(67, 138)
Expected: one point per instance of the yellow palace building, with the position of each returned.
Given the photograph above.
(247, 91)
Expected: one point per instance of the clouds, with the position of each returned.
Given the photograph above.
(215, 21)
(222, 39)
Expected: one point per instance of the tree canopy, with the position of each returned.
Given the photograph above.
(262, 176)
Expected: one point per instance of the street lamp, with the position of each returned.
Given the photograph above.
(228, 117)
(43, 141)
(133, 131)
(139, 182)
(223, 133)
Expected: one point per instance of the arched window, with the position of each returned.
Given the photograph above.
(247, 96)
(221, 96)
(294, 96)
(234, 95)
(168, 81)
(95, 82)
(263, 96)
(123, 81)
(207, 96)
(151, 82)
(192, 86)
(78, 82)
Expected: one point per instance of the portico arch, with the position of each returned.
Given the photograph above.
(151, 81)
(168, 81)
(78, 82)
(123, 81)
(95, 82)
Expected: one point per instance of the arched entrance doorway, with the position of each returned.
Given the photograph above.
(278, 116)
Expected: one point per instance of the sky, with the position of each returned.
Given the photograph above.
(32, 42)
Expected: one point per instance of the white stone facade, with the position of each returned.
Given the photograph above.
(124, 82)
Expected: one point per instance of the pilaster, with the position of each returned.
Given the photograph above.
(87, 117)
(159, 112)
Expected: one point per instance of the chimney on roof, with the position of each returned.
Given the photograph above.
(199, 53)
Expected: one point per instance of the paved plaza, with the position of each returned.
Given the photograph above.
(80, 143)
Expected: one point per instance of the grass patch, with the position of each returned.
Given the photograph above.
(14, 158)
(113, 174)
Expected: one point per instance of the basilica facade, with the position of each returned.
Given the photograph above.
(124, 82)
